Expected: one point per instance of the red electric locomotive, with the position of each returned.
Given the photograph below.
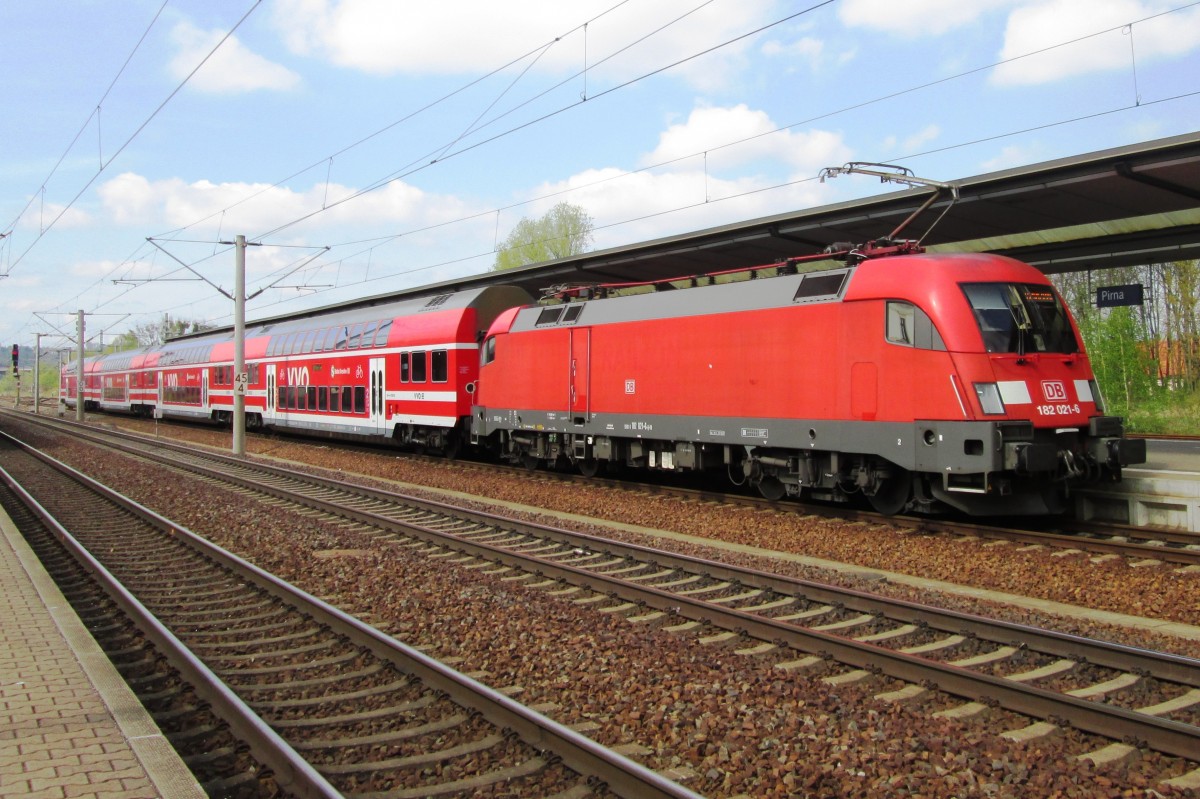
(916, 380)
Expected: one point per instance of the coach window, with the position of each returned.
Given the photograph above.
(347, 399)
(340, 343)
(355, 336)
(335, 400)
(301, 399)
(360, 399)
(368, 335)
(439, 372)
(323, 398)
(418, 367)
(307, 344)
(404, 368)
(381, 333)
(312, 398)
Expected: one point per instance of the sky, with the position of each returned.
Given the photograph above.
(369, 146)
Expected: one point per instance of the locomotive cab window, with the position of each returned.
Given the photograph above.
(489, 351)
(1020, 318)
(909, 326)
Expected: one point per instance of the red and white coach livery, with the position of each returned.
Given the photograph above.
(917, 380)
(397, 369)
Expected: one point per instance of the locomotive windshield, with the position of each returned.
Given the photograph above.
(1020, 318)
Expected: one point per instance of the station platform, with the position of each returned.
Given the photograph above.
(1163, 492)
(69, 726)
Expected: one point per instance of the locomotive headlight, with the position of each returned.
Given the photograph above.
(989, 397)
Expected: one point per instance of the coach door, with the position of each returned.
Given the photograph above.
(378, 410)
(272, 397)
(581, 370)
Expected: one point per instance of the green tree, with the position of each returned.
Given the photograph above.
(564, 230)
(148, 334)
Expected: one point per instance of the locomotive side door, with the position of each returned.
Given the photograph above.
(581, 374)
(378, 408)
(272, 396)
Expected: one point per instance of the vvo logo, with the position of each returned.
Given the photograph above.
(297, 376)
(1054, 390)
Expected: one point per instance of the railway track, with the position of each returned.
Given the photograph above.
(1179, 547)
(1137, 544)
(328, 704)
(1121, 693)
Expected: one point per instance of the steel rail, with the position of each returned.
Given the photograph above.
(1111, 721)
(621, 775)
(1166, 666)
(292, 771)
(1179, 553)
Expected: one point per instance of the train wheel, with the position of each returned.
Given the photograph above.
(452, 447)
(530, 462)
(893, 494)
(588, 467)
(771, 488)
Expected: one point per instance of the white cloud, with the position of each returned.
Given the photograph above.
(232, 68)
(471, 36)
(807, 50)
(94, 269)
(915, 18)
(1040, 25)
(1011, 156)
(42, 215)
(642, 206)
(132, 199)
(711, 128)
(912, 143)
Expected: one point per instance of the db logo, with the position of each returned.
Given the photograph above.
(1054, 390)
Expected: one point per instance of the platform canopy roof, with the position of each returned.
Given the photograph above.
(1130, 205)
(1125, 206)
